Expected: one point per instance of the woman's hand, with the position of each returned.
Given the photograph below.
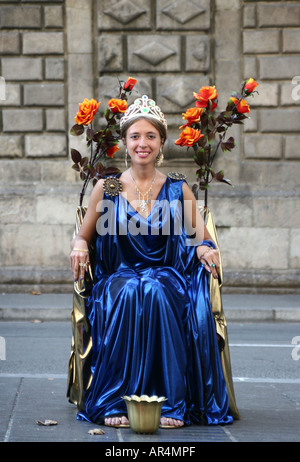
(79, 260)
(210, 259)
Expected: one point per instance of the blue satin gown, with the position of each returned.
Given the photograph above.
(152, 326)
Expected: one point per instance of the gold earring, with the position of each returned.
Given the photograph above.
(126, 153)
(160, 158)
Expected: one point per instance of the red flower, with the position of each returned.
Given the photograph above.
(205, 94)
(112, 150)
(192, 116)
(189, 136)
(117, 105)
(87, 111)
(241, 105)
(128, 86)
(250, 86)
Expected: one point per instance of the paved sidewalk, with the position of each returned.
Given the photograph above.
(237, 307)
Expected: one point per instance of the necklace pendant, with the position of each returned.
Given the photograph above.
(143, 205)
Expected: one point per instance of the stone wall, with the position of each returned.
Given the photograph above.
(56, 53)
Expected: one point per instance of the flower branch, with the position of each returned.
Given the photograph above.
(206, 132)
(103, 143)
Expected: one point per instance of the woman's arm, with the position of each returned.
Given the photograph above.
(79, 256)
(195, 225)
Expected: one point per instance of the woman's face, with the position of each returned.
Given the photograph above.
(143, 142)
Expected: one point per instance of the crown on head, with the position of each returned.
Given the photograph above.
(146, 107)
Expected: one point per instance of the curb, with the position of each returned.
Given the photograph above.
(237, 307)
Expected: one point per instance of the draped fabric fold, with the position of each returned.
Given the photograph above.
(150, 319)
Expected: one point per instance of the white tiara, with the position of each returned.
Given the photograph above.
(146, 107)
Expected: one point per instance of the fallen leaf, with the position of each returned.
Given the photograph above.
(47, 422)
(96, 431)
(35, 292)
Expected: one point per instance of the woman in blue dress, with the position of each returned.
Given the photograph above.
(152, 326)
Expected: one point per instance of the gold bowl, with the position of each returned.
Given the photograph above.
(144, 412)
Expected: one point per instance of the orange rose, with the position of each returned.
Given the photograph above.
(112, 150)
(205, 94)
(250, 86)
(128, 86)
(241, 105)
(117, 105)
(189, 136)
(87, 111)
(192, 116)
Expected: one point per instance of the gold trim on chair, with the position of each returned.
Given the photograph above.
(79, 372)
(220, 320)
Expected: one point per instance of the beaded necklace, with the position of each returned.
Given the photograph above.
(143, 198)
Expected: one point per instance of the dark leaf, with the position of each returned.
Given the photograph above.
(219, 176)
(89, 133)
(228, 145)
(75, 155)
(97, 136)
(77, 130)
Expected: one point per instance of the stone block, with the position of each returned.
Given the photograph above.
(280, 120)
(278, 67)
(227, 37)
(79, 25)
(22, 120)
(263, 146)
(40, 43)
(11, 146)
(55, 120)
(53, 16)
(287, 97)
(270, 175)
(56, 209)
(110, 49)
(183, 15)
(254, 248)
(124, 14)
(153, 53)
(54, 68)
(197, 54)
(20, 17)
(18, 207)
(47, 244)
(231, 211)
(291, 41)
(49, 94)
(9, 42)
(175, 94)
(250, 67)
(22, 68)
(45, 146)
(249, 15)
(261, 41)
(251, 124)
(79, 87)
(276, 210)
(291, 147)
(295, 248)
(278, 14)
(227, 79)
(12, 95)
(268, 95)
(60, 171)
(19, 171)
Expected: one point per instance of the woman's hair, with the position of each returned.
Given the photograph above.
(158, 125)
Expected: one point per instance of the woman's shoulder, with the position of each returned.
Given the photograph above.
(176, 176)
